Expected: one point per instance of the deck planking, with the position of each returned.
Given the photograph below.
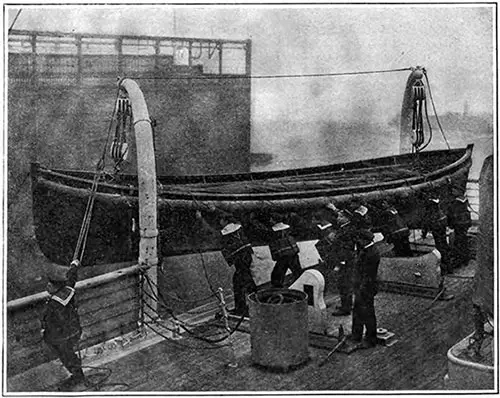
(416, 362)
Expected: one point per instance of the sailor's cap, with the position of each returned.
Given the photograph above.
(230, 228)
(322, 227)
(280, 227)
(361, 210)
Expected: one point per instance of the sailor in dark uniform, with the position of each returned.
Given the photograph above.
(435, 220)
(395, 230)
(459, 220)
(238, 251)
(325, 245)
(61, 329)
(360, 218)
(365, 289)
(285, 252)
(344, 247)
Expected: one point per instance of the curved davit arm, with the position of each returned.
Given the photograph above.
(146, 173)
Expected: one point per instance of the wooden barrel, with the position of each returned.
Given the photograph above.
(279, 328)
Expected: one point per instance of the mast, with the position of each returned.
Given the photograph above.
(146, 174)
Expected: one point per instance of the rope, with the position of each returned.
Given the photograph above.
(430, 128)
(182, 323)
(85, 227)
(302, 75)
(201, 300)
(434, 108)
(15, 19)
(180, 344)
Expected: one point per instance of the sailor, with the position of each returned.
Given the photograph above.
(365, 289)
(284, 251)
(238, 251)
(434, 220)
(459, 219)
(395, 230)
(360, 215)
(345, 249)
(325, 245)
(61, 329)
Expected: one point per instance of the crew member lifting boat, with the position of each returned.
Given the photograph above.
(395, 230)
(365, 289)
(284, 251)
(61, 327)
(434, 220)
(344, 245)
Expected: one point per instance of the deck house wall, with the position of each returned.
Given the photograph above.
(62, 87)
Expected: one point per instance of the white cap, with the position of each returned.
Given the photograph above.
(361, 210)
(435, 200)
(323, 227)
(280, 227)
(230, 228)
(331, 206)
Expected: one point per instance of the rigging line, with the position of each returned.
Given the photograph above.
(161, 302)
(82, 237)
(195, 335)
(182, 323)
(174, 342)
(434, 108)
(182, 300)
(205, 272)
(301, 75)
(430, 129)
(15, 19)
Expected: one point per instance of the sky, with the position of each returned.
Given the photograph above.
(455, 43)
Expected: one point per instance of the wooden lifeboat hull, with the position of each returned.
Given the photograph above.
(60, 198)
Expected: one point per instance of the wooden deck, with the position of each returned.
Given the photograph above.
(417, 362)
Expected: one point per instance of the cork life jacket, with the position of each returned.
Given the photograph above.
(459, 214)
(283, 245)
(234, 243)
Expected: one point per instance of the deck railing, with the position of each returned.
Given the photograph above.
(86, 58)
(108, 306)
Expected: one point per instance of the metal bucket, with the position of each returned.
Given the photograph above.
(279, 332)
